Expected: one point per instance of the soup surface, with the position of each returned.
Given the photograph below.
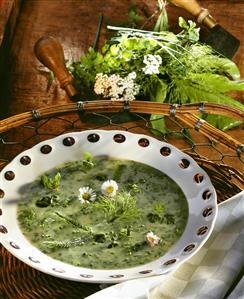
(103, 213)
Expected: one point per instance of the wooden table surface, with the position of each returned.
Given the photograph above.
(24, 82)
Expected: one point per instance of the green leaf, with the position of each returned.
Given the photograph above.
(133, 16)
(182, 23)
(50, 183)
(87, 156)
(158, 124)
(230, 68)
(191, 92)
(190, 32)
(222, 122)
(158, 92)
(87, 161)
(216, 83)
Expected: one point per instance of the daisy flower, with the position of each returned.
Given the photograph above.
(109, 188)
(152, 239)
(86, 195)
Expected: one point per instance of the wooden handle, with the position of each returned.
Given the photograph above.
(190, 5)
(50, 52)
(193, 7)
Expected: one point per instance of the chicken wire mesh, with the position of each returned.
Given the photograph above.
(223, 164)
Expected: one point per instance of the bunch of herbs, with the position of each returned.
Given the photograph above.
(189, 72)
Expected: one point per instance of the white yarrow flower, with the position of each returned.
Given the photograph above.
(132, 75)
(152, 63)
(152, 239)
(116, 87)
(86, 195)
(109, 188)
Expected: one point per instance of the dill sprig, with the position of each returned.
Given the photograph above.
(73, 222)
(66, 243)
(121, 207)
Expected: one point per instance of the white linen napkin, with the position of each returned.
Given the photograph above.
(207, 275)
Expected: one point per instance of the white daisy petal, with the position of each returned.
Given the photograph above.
(109, 188)
(86, 195)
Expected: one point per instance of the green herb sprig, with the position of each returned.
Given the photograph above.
(121, 207)
(73, 222)
(66, 243)
(87, 161)
(50, 183)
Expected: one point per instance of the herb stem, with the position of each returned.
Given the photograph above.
(73, 222)
(99, 26)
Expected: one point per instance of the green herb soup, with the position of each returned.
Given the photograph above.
(103, 213)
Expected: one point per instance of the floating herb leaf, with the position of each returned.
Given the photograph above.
(134, 188)
(159, 209)
(26, 217)
(158, 213)
(169, 219)
(50, 183)
(87, 161)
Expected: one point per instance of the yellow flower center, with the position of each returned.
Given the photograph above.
(110, 189)
(86, 196)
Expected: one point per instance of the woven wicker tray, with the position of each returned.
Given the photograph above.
(207, 145)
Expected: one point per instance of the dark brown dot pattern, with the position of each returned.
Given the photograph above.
(14, 245)
(2, 193)
(93, 138)
(170, 262)
(69, 141)
(25, 160)
(198, 178)
(3, 229)
(189, 248)
(207, 212)
(1, 212)
(119, 138)
(202, 230)
(117, 276)
(86, 275)
(165, 151)
(33, 260)
(145, 272)
(184, 163)
(9, 175)
(46, 149)
(143, 142)
(58, 270)
(206, 194)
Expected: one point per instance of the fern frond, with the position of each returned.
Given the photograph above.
(187, 91)
(216, 83)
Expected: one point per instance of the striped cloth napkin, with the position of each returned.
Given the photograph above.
(207, 275)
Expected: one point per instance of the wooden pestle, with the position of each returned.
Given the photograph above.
(193, 7)
(50, 53)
